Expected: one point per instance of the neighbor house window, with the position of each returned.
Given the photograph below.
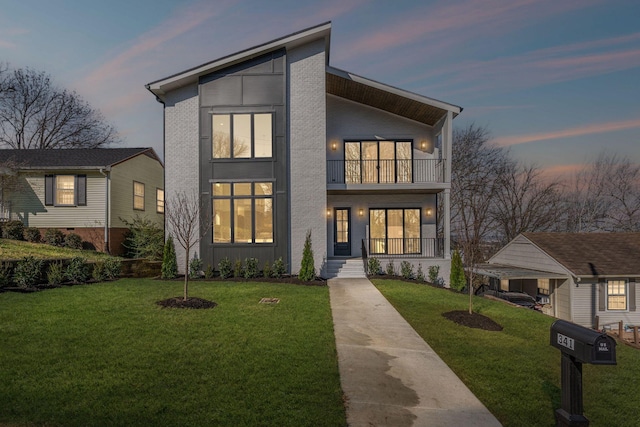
(242, 212)
(159, 200)
(543, 286)
(394, 231)
(242, 136)
(138, 196)
(616, 295)
(65, 190)
(378, 162)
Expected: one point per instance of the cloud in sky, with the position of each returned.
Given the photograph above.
(8, 36)
(591, 129)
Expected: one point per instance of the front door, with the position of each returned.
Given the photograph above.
(342, 233)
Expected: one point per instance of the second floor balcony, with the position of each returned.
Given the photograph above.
(386, 172)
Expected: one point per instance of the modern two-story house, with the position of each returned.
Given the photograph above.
(277, 143)
(91, 192)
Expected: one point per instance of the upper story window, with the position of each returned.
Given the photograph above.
(616, 295)
(242, 136)
(159, 200)
(242, 212)
(65, 190)
(138, 196)
(377, 162)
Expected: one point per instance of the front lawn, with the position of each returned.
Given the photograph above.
(515, 372)
(16, 249)
(106, 354)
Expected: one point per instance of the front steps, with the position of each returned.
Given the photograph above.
(345, 268)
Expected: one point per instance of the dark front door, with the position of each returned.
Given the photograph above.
(342, 233)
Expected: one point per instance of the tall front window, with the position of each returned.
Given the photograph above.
(616, 295)
(242, 212)
(394, 231)
(65, 190)
(242, 136)
(138, 196)
(378, 162)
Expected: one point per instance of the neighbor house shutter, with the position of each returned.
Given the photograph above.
(602, 296)
(49, 181)
(81, 190)
(632, 294)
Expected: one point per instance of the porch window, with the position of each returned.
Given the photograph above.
(242, 136)
(616, 295)
(378, 162)
(242, 212)
(394, 231)
(543, 286)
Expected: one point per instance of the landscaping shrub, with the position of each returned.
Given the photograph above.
(28, 272)
(279, 268)
(238, 269)
(209, 273)
(406, 269)
(5, 274)
(54, 237)
(97, 273)
(420, 274)
(391, 269)
(145, 239)
(457, 280)
(78, 270)
(373, 266)
(307, 267)
(434, 270)
(267, 271)
(169, 261)
(224, 266)
(13, 230)
(32, 234)
(55, 273)
(251, 268)
(73, 241)
(112, 268)
(195, 267)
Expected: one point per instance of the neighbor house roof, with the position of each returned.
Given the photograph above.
(338, 82)
(80, 158)
(592, 254)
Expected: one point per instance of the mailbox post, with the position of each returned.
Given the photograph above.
(578, 345)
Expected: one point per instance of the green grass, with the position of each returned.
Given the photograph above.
(15, 249)
(106, 354)
(516, 372)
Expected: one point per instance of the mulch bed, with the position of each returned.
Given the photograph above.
(474, 320)
(191, 302)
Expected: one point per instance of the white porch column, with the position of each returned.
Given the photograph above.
(447, 137)
(447, 223)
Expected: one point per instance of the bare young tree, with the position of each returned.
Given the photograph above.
(188, 220)
(35, 114)
(526, 202)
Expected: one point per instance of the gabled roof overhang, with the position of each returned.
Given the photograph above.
(499, 271)
(323, 31)
(387, 98)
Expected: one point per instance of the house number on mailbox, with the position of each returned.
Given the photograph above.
(565, 341)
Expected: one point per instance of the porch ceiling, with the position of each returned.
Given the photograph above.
(389, 99)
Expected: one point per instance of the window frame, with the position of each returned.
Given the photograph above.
(232, 198)
(405, 240)
(364, 171)
(79, 190)
(252, 133)
(138, 196)
(624, 294)
(159, 201)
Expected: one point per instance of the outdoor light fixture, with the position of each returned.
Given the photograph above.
(328, 212)
(423, 145)
(361, 212)
(334, 146)
(428, 211)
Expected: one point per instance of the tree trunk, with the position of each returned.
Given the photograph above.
(186, 275)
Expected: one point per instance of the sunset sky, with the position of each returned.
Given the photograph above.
(556, 81)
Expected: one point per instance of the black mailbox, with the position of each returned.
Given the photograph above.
(584, 344)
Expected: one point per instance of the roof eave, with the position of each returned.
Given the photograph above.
(160, 87)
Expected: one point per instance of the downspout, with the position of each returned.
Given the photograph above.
(106, 206)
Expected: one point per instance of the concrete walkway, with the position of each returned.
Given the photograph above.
(390, 376)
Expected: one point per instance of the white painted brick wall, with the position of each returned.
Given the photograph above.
(307, 132)
(181, 149)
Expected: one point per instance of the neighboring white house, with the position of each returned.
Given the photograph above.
(90, 192)
(278, 142)
(579, 275)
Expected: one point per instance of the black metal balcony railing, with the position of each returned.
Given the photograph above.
(412, 247)
(385, 171)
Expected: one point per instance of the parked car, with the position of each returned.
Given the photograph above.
(519, 298)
